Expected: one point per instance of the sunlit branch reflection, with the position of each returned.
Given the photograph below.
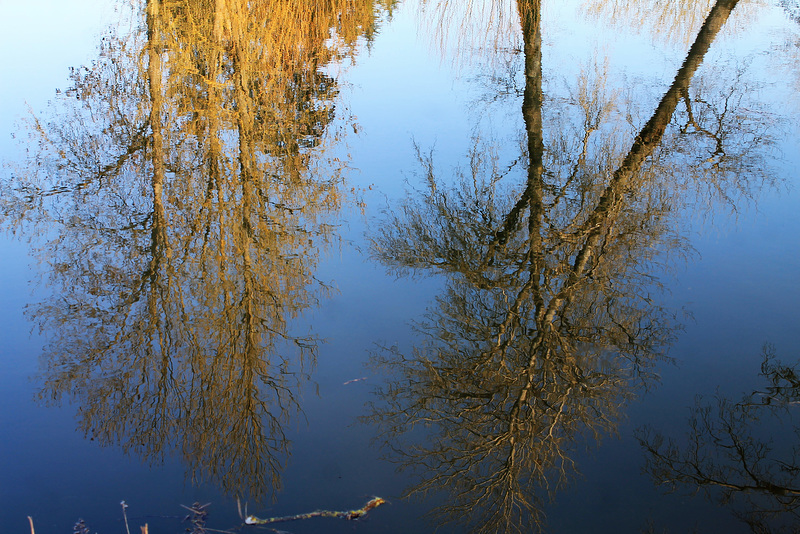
(180, 197)
(549, 324)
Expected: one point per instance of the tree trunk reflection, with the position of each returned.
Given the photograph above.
(547, 326)
(185, 192)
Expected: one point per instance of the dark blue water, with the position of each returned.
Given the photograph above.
(379, 292)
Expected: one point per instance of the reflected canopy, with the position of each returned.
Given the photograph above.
(181, 195)
(548, 324)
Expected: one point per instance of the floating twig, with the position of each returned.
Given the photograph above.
(125, 516)
(354, 380)
(349, 515)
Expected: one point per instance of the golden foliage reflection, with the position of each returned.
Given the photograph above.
(181, 195)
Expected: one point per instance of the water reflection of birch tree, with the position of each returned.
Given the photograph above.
(547, 325)
(183, 195)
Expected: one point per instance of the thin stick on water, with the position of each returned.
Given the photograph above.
(239, 507)
(125, 516)
(349, 514)
(30, 520)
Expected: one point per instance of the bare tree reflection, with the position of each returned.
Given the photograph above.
(181, 196)
(677, 21)
(730, 451)
(547, 325)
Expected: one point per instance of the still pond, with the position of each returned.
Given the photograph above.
(510, 266)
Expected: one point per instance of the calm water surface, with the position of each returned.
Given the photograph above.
(510, 266)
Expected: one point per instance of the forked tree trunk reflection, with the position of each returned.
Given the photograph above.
(546, 327)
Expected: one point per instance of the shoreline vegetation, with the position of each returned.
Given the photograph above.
(198, 514)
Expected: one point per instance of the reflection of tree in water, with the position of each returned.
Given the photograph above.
(184, 196)
(547, 325)
(736, 452)
(792, 8)
(677, 20)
